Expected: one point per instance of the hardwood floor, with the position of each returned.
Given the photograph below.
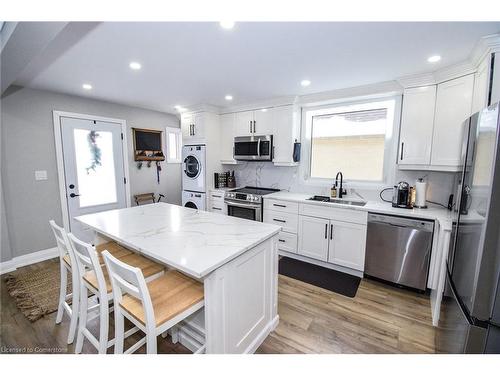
(380, 319)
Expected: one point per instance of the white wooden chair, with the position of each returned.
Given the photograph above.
(66, 258)
(154, 307)
(93, 277)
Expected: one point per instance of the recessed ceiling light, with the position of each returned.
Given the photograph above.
(228, 97)
(226, 24)
(305, 82)
(135, 65)
(264, 109)
(434, 59)
(87, 86)
(180, 108)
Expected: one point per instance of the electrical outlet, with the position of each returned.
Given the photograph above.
(40, 175)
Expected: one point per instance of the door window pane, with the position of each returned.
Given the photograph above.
(95, 167)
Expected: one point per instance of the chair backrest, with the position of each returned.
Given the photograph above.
(62, 241)
(87, 260)
(130, 280)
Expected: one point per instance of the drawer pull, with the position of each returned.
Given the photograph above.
(280, 221)
(216, 208)
(279, 205)
(280, 240)
(216, 196)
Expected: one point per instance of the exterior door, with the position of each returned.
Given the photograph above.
(313, 237)
(94, 170)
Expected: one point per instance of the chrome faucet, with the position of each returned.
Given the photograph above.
(341, 190)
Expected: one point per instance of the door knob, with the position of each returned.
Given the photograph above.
(72, 195)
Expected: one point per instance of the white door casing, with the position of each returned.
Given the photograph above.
(73, 159)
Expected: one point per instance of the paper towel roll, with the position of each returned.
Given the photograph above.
(421, 190)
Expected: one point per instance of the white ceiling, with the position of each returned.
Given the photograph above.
(192, 63)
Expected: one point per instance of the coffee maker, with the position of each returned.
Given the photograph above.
(401, 195)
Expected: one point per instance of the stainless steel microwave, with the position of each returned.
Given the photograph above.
(254, 148)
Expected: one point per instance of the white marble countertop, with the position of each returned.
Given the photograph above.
(441, 214)
(194, 242)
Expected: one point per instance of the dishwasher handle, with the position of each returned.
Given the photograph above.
(401, 222)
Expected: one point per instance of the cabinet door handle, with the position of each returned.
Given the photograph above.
(331, 231)
(326, 231)
(216, 208)
(250, 126)
(280, 221)
(280, 240)
(217, 196)
(402, 148)
(194, 129)
(254, 122)
(279, 205)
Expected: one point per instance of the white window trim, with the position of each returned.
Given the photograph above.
(178, 136)
(390, 151)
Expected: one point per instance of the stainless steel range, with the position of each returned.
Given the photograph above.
(246, 202)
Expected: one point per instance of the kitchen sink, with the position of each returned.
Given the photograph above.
(322, 198)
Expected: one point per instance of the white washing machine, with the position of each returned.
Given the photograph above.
(193, 200)
(193, 169)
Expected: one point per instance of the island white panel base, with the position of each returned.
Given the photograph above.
(241, 300)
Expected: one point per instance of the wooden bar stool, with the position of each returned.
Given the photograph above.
(93, 277)
(154, 307)
(66, 259)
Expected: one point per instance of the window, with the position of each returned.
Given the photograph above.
(174, 145)
(350, 138)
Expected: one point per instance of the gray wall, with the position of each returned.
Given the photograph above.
(28, 145)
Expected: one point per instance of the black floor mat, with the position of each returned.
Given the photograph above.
(322, 277)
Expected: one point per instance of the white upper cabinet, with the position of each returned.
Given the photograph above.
(417, 123)
(285, 133)
(263, 121)
(227, 124)
(481, 83)
(192, 126)
(453, 106)
(347, 245)
(243, 123)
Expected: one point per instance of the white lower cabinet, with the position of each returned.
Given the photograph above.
(347, 245)
(313, 237)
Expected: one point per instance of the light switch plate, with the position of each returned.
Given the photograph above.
(40, 175)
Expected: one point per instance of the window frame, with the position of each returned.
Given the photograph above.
(390, 144)
(178, 135)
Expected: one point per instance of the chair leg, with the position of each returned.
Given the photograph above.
(119, 330)
(62, 293)
(75, 309)
(103, 325)
(151, 340)
(82, 318)
(174, 331)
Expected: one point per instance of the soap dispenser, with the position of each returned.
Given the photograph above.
(333, 191)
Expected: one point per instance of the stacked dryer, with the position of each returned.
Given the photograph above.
(193, 176)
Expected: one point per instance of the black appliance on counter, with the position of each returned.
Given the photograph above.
(401, 195)
(247, 202)
(470, 310)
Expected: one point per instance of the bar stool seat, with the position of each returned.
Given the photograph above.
(171, 294)
(115, 249)
(148, 267)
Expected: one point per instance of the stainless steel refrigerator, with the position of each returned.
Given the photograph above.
(470, 311)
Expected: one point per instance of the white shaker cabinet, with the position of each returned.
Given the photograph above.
(243, 124)
(453, 106)
(192, 126)
(347, 244)
(481, 86)
(417, 123)
(313, 237)
(286, 131)
(227, 137)
(263, 121)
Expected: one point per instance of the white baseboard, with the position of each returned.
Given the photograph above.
(26, 260)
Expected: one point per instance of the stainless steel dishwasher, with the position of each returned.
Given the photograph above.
(399, 249)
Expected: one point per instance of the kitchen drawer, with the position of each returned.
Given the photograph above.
(281, 206)
(216, 195)
(216, 206)
(286, 220)
(334, 213)
(287, 242)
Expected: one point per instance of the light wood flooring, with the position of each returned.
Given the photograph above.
(380, 319)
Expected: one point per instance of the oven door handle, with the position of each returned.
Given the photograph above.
(243, 205)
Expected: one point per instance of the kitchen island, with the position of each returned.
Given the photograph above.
(235, 259)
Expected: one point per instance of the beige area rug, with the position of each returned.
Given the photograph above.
(36, 292)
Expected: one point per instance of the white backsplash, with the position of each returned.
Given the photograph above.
(265, 174)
